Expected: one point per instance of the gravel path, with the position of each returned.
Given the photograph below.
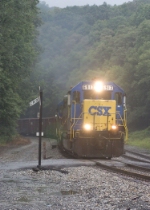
(80, 188)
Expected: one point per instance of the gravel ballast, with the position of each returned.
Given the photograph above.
(75, 188)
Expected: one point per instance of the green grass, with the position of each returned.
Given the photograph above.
(5, 139)
(140, 139)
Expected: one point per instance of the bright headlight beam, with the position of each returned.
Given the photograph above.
(114, 127)
(87, 127)
(98, 86)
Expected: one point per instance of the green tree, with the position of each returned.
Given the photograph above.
(18, 51)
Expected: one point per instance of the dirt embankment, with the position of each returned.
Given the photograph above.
(26, 149)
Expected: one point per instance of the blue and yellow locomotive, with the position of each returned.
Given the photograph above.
(91, 120)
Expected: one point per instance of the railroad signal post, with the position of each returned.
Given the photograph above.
(40, 128)
(40, 133)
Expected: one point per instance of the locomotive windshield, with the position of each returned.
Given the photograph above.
(118, 98)
(90, 94)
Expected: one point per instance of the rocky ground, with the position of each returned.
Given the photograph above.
(72, 188)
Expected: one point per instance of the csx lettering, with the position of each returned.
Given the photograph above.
(99, 110)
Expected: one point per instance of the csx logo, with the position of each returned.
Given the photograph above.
(99, 110)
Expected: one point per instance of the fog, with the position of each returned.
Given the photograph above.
(65, 3)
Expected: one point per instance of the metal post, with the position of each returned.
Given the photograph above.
(44, 150)
(40, 129)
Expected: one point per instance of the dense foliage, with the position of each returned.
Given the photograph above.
(18, 20)
(109, 42)
(76, 43)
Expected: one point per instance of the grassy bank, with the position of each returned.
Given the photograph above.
(140, 139)
(17, 141)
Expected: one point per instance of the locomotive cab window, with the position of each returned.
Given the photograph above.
(76, 96)
(118, 98)
(65, 101)
(90, 94)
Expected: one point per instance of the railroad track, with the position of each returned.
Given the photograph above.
(138, 167)
(135, 159)
(143, 156)
(129, 170)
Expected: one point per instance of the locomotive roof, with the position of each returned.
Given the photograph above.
(78, 87)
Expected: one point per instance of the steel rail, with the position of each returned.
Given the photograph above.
(138, 154)
(135, 159)
(124, 172)
(138, 167)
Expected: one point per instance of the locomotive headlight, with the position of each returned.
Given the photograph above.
(98, 86)
(87, 127)
(114, 127)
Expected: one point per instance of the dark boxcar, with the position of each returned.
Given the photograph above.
(30, 126)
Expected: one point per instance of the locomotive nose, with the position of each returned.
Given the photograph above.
(99, 114)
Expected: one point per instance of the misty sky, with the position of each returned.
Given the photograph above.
(65, 3)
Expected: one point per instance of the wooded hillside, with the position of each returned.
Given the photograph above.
(109, 42)
(18, 51)
(74, 44)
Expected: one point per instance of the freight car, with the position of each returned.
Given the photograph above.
(91, 120)
(30, 126)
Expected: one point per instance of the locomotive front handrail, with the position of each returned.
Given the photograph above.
(123, 122)
(74, 119)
